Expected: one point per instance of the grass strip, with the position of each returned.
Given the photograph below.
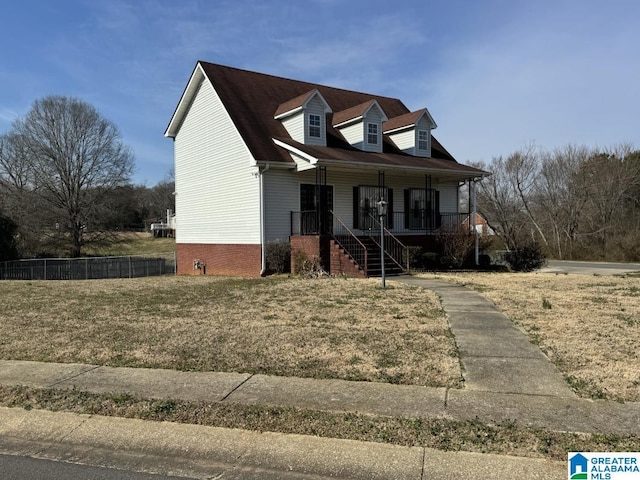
(507, 438)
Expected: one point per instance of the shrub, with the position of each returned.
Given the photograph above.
(415, 257)
(456, 244)
(526, 259)
(278, 256)
(421, 260)
(484, 261)
(307, 267)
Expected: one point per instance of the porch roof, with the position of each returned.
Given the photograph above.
(387, 159)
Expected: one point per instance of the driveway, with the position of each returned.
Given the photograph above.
(590, 268)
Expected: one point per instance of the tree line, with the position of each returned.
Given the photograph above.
(65, 181)
(574, 202)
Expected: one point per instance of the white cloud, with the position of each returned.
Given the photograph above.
(552, 77)
(353, 57)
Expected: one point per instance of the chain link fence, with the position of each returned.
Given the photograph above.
(87, 268)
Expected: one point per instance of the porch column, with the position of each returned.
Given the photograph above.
(472, 187)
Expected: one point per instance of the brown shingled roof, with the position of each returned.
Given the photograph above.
(293, 103)
(351, 113)
(252, 99)
(405, 120)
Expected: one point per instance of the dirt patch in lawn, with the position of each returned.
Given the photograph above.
(588, 325)
(327, 328)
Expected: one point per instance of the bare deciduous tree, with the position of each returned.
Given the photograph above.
(577, 202)
(72, 156)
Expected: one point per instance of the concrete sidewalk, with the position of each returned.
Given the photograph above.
(507, 379)
(407, 401)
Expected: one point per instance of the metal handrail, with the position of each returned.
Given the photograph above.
(394, 248)
(350, 243)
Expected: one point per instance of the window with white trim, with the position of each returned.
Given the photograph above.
(372, 133)
(314, 125)
(423, 140)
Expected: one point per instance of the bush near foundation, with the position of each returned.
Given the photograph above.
(278, 256)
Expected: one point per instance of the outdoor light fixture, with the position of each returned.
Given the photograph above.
(382, 212)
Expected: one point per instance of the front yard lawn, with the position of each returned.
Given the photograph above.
(327, 328)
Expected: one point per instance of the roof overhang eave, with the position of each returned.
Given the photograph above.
(378, 166)
(310, 158)
(197, 77)
(288, 113)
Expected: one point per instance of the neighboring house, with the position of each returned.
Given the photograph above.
(260, 159)
(481, 225)
(165, 229)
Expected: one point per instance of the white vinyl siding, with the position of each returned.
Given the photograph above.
(217, 195)
(405, 140)
(448, 197)
(295, 126)
(281, 190)
(354, 134)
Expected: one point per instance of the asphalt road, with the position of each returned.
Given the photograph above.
(17, 467)
(27, 468)
(590, 268)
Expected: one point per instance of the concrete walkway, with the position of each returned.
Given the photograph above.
(507, 378)
(496, 355)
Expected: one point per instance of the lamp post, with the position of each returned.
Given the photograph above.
(382, 212)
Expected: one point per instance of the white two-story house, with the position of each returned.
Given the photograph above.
(260, 159)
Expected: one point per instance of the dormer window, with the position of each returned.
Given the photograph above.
(314, 126)
(423, 140)
(372, 133)
(411, 132)
(304, 118)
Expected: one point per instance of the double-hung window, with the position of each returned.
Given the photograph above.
(423, 140)
(372, 133)
(314, 125)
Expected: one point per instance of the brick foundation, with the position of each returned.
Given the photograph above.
(341, 263)
(331, 256)
(219, 259)
(309, 245)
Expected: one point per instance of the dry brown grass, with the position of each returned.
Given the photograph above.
(328, 328)
(130, 243)
(589, 326)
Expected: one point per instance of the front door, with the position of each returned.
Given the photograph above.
(316, 203)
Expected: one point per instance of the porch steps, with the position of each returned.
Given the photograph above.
(374, 260)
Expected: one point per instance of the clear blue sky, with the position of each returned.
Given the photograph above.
(495, 75)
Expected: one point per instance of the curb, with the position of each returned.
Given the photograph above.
(204, 452)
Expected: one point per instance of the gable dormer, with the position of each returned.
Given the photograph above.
(411, 132)
(305, 118)
(361, 125)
